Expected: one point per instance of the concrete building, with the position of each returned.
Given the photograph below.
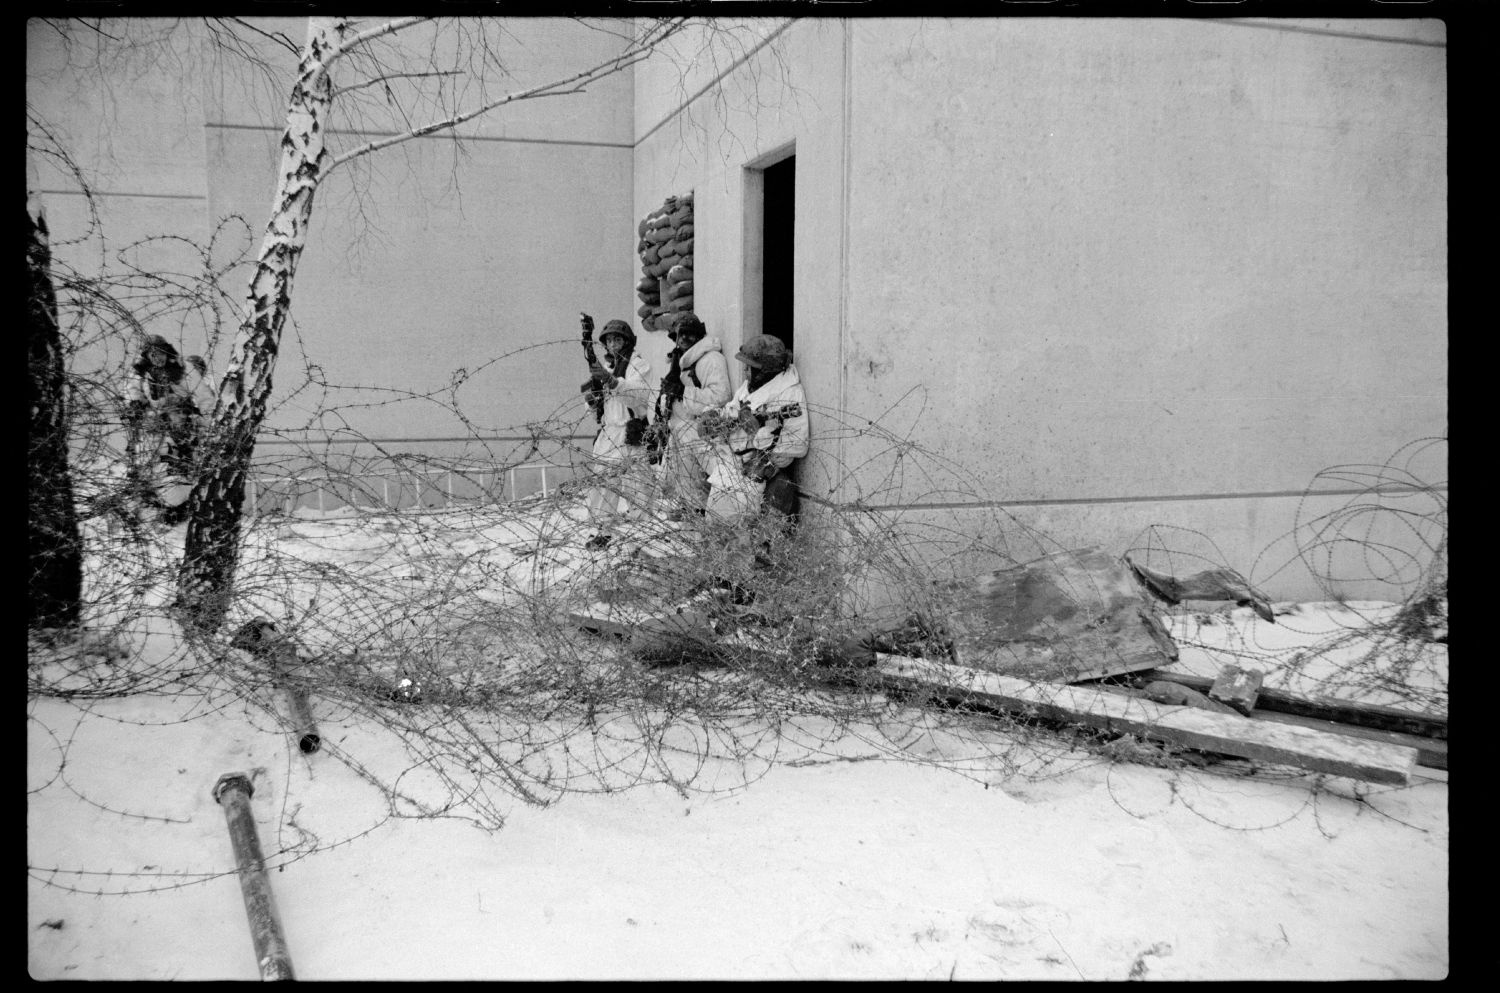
(1102, 274)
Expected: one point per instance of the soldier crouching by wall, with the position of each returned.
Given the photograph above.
(754, 441)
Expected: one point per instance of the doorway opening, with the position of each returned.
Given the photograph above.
(780, 225)
(770, 237)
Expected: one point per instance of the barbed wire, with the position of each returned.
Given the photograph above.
(1388, 538)
(452, 634)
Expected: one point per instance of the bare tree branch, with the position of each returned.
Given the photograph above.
(587, 23)
(94, 24)
(576, 83)
(276, 36)
(427, 129)
(394, 75)
(355, 41)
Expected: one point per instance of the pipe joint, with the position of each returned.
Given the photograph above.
(237, 780)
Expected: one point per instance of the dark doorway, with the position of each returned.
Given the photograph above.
(779, 228)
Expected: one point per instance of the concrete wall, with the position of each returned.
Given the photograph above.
(1073, 277)
(1109, 273)
(421, 260)
(136, 133)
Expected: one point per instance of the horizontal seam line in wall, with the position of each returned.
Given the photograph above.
(275, 129)
(710, 84)
(112, 193)
(1170, 498)
(1293, 29)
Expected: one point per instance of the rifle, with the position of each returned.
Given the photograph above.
(671, 389)
(593, 393)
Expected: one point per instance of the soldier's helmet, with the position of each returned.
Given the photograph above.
(764, 351)
(620, 328)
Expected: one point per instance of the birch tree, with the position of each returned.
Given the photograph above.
(211, 552)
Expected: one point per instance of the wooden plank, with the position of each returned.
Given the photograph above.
(1367, 715)
(1305, 748)
(599, 623)
(639, 627)
(1161, 691)
(1432, 753)
(1237, 688)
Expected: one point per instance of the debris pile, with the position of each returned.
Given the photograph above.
(1074, 637)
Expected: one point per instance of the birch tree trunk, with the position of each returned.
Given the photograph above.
(205, 581)
(55, 550)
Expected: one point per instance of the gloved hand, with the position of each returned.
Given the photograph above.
(748, 422)
(758, 465)
(587, 323)
(671, 386)
(713, 426)
(601, 375)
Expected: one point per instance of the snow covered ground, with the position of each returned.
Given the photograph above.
(968, 854)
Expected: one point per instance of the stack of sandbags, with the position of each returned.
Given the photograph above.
(649, 288)
(666, 250)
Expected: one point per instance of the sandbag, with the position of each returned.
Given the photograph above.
(684, 246)
(644, 310)
(651, 298)
(684, 230)
(681, 216)
(678, 273)
(647, 285)
(651, 255)
(658, 235)
(681, 304)
(684, 288)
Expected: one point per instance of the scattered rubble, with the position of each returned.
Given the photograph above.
(1072, 637)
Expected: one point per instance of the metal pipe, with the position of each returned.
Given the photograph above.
(233, 792)
(303, 725)
(263, 640)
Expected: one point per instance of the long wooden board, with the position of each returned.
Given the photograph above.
(1367, 715)
(1432, 753)
(1305, 748)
